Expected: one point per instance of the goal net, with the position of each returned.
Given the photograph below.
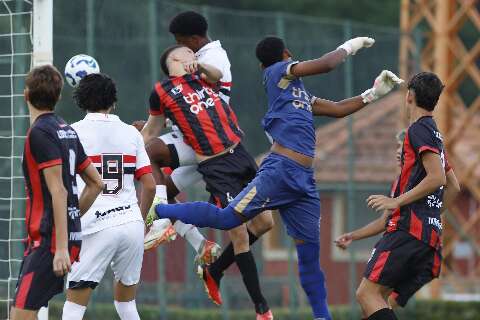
(17, 47)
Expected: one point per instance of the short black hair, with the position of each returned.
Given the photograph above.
(165, 55)
(189, 23)
(427, 87)
(95, 92)
(270, 50)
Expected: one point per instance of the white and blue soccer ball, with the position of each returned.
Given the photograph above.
(78, 67)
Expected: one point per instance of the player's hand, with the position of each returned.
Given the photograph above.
(381, 202)
(355, 44)
(383, 84)
(191, 66)
(61, 262)
(139, 124)
(344, 241)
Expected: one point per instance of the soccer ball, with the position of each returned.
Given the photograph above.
(78, 67)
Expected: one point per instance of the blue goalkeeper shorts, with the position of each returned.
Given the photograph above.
(283, 184)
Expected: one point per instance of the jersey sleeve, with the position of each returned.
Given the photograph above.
(156, 106)
(282, 73)
(422, 139)
(82, 160)
(45, 148)
(142, 165)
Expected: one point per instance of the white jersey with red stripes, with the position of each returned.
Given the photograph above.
(213, 54)
(118, 152)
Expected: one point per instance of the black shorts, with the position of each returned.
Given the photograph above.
(226, 175)
(37, 283)
(404, 263)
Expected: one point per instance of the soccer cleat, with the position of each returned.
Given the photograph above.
(208, 253)
(265, 316)
(211, 285)
(161, 231)
(152, 214)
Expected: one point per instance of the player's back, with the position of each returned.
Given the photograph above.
(50, 141)
(118, 152)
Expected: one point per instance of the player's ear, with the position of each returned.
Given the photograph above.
(410, 96)
(286, 54)
(261, 66)
(25, 95)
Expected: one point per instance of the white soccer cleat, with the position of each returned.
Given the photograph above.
(161, 231)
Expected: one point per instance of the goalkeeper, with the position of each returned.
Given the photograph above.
(285, 180)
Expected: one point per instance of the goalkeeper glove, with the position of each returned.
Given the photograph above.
(355, 44)
(383, 84)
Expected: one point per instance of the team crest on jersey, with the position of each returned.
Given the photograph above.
(178, 89)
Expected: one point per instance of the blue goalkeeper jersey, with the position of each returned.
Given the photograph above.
(289, 119)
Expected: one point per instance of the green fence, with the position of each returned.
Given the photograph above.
(127, 38)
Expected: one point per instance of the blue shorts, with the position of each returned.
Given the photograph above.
(283, 184)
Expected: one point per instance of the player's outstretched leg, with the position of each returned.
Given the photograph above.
(312, 278)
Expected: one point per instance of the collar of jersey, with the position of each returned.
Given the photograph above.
(210, 45)
(101, 117)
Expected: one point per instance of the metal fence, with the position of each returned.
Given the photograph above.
(127, 38)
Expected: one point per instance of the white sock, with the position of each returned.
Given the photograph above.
(161, 191)
(127, 310)
(73, 311)
(189, 232)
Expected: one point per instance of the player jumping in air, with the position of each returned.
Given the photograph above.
(190, 100)
(285, 180)
(53, 155)
(408, 255)
(400, 295)
(113, 228)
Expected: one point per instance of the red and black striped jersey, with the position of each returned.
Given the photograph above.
(420, 218)
(206, 121)
(51, 141)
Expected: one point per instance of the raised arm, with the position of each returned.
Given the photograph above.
(54, 181)
(93, 186)
(329, 61)
(383, 84)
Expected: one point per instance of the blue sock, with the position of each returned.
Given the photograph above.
(200, 214)
(312, 278)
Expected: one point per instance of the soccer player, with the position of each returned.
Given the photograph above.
(285, 180)
(401, 295)
(209, 125)
(113, 228)
(409, 253)
(52, 156)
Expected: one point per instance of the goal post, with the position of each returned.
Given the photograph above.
(42, 32)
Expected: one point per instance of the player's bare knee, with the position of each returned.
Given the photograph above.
(239, 237)
(158, 152)
(262, 223)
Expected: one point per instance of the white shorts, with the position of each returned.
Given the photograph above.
(186, 174)
(186, 155)
(120, 246)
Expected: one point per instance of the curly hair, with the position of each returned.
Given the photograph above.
(270, 50)
(95, 92)
(189, 23)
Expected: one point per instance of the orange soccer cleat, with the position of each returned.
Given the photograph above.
(212, 287)
(208, 253)
(265, 316)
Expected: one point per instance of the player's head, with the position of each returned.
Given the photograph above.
(271, 50)
(43, 87)
(424, 90)
(189, 29)
(95, 92)
(400, 136)
(172, 59)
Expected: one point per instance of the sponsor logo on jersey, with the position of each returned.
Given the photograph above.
(434, 202)
(67, 134)
(303, 101)
(75, 236)
(201, 99)
(73, 212)
(435, 222)
(99, 214)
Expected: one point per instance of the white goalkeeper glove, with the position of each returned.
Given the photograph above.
(383, 84)
(355, 44)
